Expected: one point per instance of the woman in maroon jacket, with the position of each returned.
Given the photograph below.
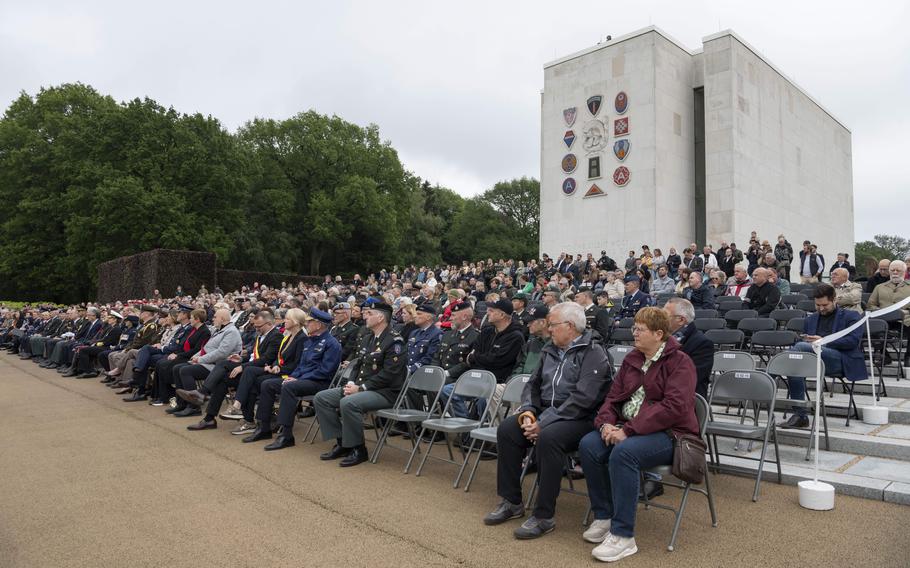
(653, 393)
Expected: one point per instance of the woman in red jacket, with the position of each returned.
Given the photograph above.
(653, 393)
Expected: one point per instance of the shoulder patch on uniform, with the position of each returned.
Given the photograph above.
(396, 348)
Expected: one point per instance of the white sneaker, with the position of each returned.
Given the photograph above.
(614, 548)
(597, 531)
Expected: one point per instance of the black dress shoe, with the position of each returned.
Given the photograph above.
(71, 373)
(188, 411)
(259, 433)
(137, 396)
(175, 409)
(192, 396)
(108, 379)
(796, 421)
(88, 375)
(357, 456)
(336, 452)
(203, 425)
(653, 489)
(124, 390)
(280, 442)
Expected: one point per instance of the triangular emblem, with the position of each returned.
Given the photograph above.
(594, 191)
(594, 104)
(569, 138)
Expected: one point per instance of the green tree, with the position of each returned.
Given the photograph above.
(519, 200)
(869, 253)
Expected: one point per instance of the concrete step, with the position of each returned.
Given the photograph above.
(875, 478)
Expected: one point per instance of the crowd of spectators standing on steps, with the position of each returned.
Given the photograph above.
(551, 319)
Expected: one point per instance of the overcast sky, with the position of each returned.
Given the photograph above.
(455, 86)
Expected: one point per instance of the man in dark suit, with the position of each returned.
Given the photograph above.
(842, 262)
(694, 343)
(841, 357)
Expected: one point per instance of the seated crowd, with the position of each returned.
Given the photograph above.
(552, 319)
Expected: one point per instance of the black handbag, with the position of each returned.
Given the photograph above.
(689, 458)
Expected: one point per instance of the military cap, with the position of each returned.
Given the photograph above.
(117, 315)
(521, 296)
(459, 306)
(134, 319)
(501, 304)
(149, 308)
(427, 308)
(378, 305)
(184, 308)
(341, 306)
(538, 312)
(585, 289)
(164, 312)
(631, 278)
(320, 316)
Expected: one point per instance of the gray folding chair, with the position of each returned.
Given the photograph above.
(757, 390)
(341, 376)
(511, 400)
(766, 344)
(800, 364)
(618, 354)
(791, 300)
(733, 317)
(796, 324)
(704, 324)
(665, 472)
(753, 324)
(473, 384)
(418, 401)
(705, 313)
(625, 323)
(785, 315)
(621, 335)
(732, 361)
(722, 338)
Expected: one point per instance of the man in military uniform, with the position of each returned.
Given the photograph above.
(597, 319)
(381, 371)
(634, 299)
(539, 336)
(147, 334)
(344, 330)
(520, 311)
(424, 341)
(455, 344)
(148, 355)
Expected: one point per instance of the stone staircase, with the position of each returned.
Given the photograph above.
(862, 460)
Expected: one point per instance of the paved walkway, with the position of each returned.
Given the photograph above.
(88, 480)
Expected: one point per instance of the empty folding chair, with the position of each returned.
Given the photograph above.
(750, 325)
(879, 330)
(895, 338)
(475, 385)
(766, 344)
(705, 324)
(511, 400)
(418, 401)
(791, 300)
(705, 313)
(806, 305)
(727, 303)
(733, 317)
(800, 364)
(758, 391)
(625, 323)
(666, 473)
(622, 335)
(732, 338)
(796, 324)
(732, 361)
(784, 316)
(797, 288)
(617, 354)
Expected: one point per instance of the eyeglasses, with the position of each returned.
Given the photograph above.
(638, 329)
(555, 323)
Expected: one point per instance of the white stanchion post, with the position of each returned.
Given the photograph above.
(874, 414)
(817, 495)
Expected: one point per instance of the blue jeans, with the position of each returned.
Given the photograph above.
(459, 406)
(796, 386)
(613, 475)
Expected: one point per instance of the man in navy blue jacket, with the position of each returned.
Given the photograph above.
(843, 356)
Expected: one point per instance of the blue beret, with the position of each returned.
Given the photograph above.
(631, 278)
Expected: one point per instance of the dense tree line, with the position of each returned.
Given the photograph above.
(84, 179)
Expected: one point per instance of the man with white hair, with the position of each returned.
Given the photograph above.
(739, 283)
(849, 294)
(892, 292)
(694, 343)
(559, 402)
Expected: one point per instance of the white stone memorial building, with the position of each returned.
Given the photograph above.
(644, 141)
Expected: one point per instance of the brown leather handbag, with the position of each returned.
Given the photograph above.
(689, 458)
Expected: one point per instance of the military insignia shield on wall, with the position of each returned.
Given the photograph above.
(569, 115)
(594, 104)
(621, 148)
(569, 163)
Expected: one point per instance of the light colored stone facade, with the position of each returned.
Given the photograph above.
(775, 161)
